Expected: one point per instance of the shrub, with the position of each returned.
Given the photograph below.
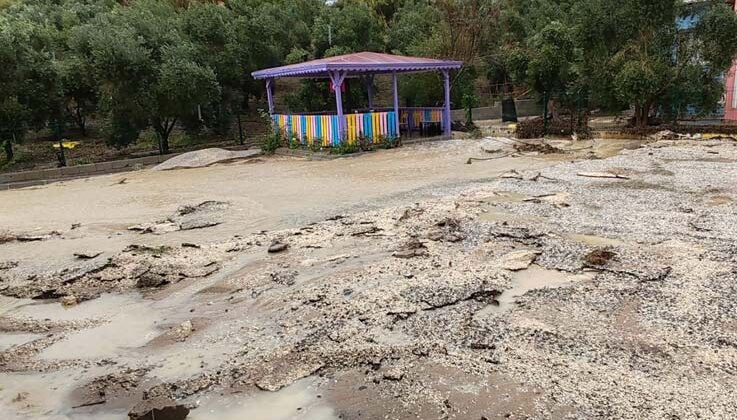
(316, 145)
(272, 141)
(365, 144)
(390, 142)
(294, 143)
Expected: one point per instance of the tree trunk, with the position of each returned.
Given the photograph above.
(163, 130)
(642, 115)
(240, 130)
(81, 121)
(9, 152)
(638, 117)
(163, 141)
(62, 156)
(509, 107)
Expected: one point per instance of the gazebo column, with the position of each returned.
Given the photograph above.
(395, 88)
(270, 94)
(337, 78)
(446, 112)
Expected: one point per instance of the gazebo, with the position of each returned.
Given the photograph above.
(333, 129)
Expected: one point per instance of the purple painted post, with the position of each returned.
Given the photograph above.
(446, 111)
(396, 102)
(270, 94)
(337, 79)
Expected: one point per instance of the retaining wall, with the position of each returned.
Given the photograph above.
(525, 108)
(28, 178)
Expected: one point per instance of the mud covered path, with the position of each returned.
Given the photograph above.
(541, 293)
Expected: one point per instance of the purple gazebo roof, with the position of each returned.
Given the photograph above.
(363, 62)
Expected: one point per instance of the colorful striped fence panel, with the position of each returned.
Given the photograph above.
(415, 117)
(309, 128)
(325, 128)
(372, 126)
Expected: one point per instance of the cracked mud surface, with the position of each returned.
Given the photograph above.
(543, 295)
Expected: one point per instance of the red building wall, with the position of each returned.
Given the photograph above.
(730, 103)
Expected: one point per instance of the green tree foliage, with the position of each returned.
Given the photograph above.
(618, 55)
(140, 65)
(150, 73)
(347, 28)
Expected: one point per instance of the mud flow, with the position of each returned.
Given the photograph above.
(584, 282)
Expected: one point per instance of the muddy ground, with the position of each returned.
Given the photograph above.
(569, 282)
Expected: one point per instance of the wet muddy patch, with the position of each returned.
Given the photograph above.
(300, 400)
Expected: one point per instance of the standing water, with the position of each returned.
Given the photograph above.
(532, 278)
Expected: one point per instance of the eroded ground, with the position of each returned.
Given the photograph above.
(587, 283)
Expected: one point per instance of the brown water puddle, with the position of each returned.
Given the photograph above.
(596, 241)
(297, 401)
(500, 197)
(532, 278)
(46, 395)
(8, 341)
(131, 324)
(606, 148)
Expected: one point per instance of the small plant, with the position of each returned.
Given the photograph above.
(294, 143)
(272, 141)
(316, 145)
(469, 101)
(366, 144)
(390, 142)
(345, 148)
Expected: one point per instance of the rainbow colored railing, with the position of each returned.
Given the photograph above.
(324, 128)
(414, 118)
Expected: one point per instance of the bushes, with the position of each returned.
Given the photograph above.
(345, 149)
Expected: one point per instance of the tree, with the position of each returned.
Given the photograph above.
(13, 124)
(150, 74)
(618, 55)
(182, 85)
(347, 28)
(635, 54)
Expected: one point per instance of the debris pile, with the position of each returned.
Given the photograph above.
(190, 217)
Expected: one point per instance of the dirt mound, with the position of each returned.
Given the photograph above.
(205, 157)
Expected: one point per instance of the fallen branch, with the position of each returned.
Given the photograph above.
(470, 160)
(602, 175)
(540, 176)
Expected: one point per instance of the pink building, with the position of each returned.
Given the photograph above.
(730, 103)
